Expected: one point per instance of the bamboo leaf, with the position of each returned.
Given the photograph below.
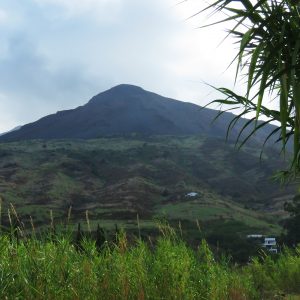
(244, 42)
(267, 139)
(253, 132)
(262, 89)
(283, 106)
(243, 128)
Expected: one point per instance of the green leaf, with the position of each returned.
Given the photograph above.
(244, 42)
(252, 66)
(262, 89)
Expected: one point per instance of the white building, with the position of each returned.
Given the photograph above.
(191, 194)
(269, 243)
(254, 236)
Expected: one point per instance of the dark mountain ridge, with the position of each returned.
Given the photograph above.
(127, 109)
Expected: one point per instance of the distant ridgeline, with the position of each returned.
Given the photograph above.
(125, 110)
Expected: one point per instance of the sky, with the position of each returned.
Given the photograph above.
(57, 54)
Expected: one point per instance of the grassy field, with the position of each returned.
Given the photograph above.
(54, 267)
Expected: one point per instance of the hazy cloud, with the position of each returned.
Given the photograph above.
(3, 16)
(101, 10)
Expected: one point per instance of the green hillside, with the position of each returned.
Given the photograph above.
(116, 179)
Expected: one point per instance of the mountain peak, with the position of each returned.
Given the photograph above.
(121, 92)
(123, 110)
(127, 87)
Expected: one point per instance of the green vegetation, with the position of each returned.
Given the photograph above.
(292, 224)
(268, 57)
(117, 178)
(56, 267)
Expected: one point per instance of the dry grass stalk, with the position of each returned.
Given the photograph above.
(88, 221)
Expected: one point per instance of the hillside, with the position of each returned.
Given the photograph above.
(127, 109)
(130, 152)
(118, 178)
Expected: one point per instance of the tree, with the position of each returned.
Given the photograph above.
(268, 34)
(292, 225)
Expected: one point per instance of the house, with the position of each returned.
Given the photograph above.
(191, 194)
(269, 243)
(254, 236)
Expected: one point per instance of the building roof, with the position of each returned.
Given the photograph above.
(192, 194)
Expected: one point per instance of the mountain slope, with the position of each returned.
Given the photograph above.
(14, 129)
(118, 178)
(175, 150)
(127, 109)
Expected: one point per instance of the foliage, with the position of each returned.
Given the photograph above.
(292, 224)
(239, 248)
(118, 178)
(268, 33)
(53, 268)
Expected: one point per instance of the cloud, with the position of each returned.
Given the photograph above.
(56, 55)
(79, 5)
(102, 10)
(30, 89)
(3, 16)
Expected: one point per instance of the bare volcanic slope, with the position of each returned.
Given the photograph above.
(123, 110)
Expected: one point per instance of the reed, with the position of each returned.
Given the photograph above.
(55, 268)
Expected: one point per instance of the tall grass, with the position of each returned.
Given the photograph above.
(53, 267)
